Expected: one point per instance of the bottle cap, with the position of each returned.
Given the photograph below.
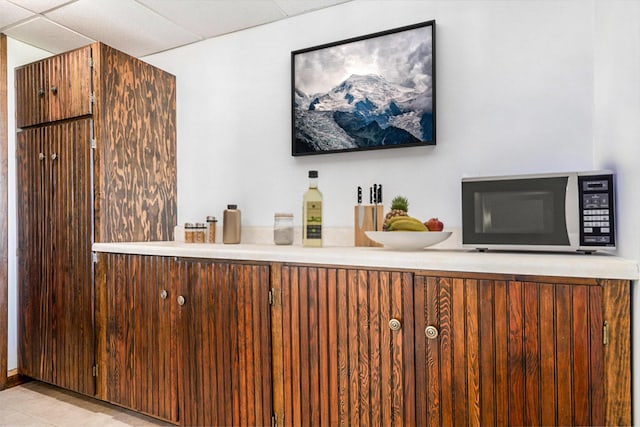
(200, 225)
(313, 174)
(283, 215)
(188, 225)
(232, 206)
(211, 219)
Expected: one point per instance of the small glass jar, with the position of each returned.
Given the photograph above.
(200, 232)
(211, 232)
(189, 232)
(283, 229)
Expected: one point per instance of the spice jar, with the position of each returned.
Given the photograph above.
(189, 232)
(211, 225)
(283, 228)
(200, 231)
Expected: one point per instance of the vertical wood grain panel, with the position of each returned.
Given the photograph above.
(564, 365)
(445, 309)
(501, 317)
(473, 352)
(597, 355)
(343, 349)
(136, 150)
(433, 368)
(4, 229)
(516, 355)
(581, 356)
(548, 373)
(532, 353)
(487, 356)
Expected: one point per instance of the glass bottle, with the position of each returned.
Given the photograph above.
(312, 213)
(189, 232)
(211, 232)
(283, 228)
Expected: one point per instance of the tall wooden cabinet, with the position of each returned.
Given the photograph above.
(96, 163)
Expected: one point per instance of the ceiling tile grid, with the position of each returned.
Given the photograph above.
(139, 27)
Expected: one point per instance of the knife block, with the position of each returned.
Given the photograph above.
(367, 224)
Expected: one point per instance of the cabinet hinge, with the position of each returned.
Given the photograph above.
(95, 370)
(94, 144)
(270, 296)
(605, 333)
(92, 98)
(274, 420)
(91, 62)
(94, 257)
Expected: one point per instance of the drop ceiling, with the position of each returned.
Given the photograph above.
(139, 27)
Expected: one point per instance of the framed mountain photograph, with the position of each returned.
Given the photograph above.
(370, 92)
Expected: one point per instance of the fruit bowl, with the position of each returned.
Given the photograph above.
(408, 240)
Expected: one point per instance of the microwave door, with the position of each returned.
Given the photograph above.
(516, 213)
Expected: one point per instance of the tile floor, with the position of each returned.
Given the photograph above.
(38, 404)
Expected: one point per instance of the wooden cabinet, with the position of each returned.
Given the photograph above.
(509, 351)
(96, 162)
(356, 346)
(54, 253)
(340, 362)
(136, 334)
(55, 88)
(187, 341)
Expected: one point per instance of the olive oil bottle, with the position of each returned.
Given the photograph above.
(312, 213)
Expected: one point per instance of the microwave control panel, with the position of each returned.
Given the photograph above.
(597, 226)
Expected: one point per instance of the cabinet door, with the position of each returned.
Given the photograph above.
(54, 249)
(508, 353)
(55, 88)
(341, 362)
(35, 350)
(138, 370)
(224, 335)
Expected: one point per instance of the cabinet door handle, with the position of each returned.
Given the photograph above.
(42, 156)
(164, 294)
(41, 92)
(395, 325)
(54, 90)
(431, 332)
(180, 300)
(54, 156)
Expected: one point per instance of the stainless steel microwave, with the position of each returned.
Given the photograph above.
(545, 212)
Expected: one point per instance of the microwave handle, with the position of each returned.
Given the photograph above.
(572, 210)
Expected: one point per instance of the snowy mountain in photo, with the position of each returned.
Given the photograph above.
(362, 111)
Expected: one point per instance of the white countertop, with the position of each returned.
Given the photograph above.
(541, 264)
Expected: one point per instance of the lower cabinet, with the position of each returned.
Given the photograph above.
(504, 352)
(196, 342)
(187, 341)
(347, 347)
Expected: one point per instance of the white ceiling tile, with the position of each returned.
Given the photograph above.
(124, 24)
(212, 18)
(10, 13)
(40, 6)
(47, 35)
(296, 7)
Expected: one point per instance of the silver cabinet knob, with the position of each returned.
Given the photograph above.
(395, 325)
(431, 332)
(164, 294)
(54, 156)
(42, 156)
(180, 300)
(54, 90)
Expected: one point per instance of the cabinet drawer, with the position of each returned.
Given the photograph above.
(55, 88)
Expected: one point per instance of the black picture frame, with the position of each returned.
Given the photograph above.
(365, 93)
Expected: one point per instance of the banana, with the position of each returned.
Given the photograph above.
(401, 218)
(407, 225)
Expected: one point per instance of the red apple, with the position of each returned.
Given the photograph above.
(434, 224)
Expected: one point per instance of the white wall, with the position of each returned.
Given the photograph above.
(514, 94)
(617, 128)
(17, 54)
